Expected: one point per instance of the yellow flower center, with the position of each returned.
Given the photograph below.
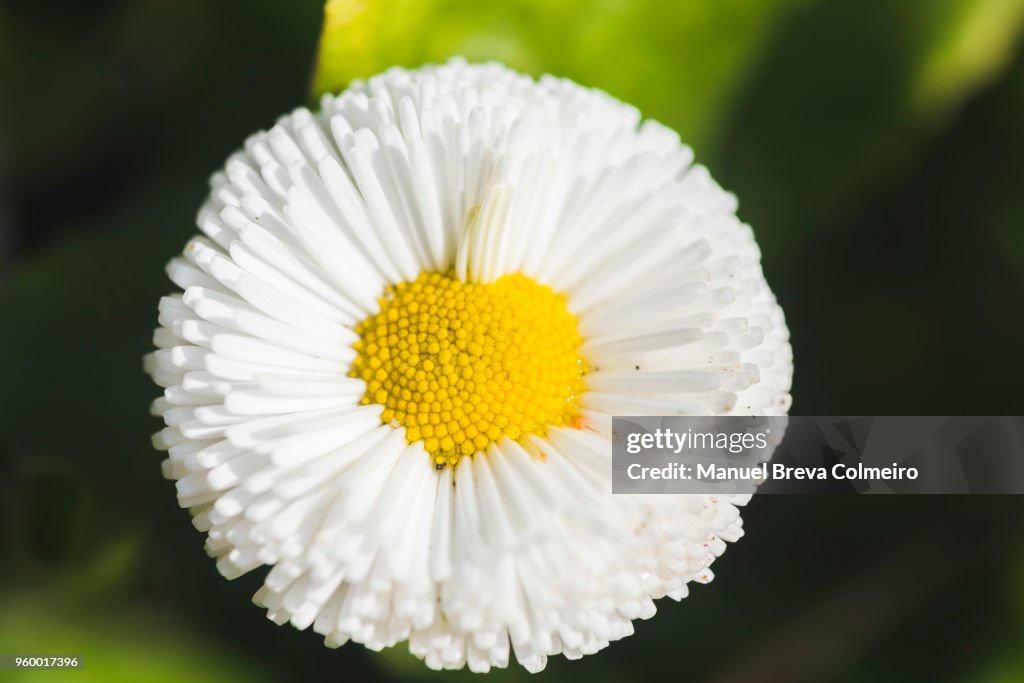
(462, 365)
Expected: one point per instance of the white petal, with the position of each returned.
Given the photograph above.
(477, 170)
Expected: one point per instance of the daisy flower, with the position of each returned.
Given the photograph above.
(391, 372)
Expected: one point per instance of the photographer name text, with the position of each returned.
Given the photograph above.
(769, 471)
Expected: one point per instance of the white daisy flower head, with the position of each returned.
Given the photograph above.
(391, 372)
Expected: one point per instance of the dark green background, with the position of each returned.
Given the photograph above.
(885, 186)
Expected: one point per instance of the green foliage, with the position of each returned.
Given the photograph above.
(847, 100)
(118, 647)
(679, 62)
(683, 62)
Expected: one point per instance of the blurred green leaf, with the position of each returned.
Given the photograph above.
(678, 62)
(845, 103)
(119, 647)
(974, 44)
(681, 63)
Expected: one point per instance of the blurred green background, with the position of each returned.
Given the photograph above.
(875, 147)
